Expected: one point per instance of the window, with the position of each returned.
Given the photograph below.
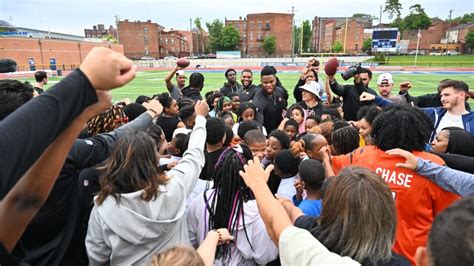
(166, 41)
(267, 24)
(357, 36)
(259, 25)
(172, 41)
(251, 36)
(244, 25)
(244, 36)
(252, 25)
(145, 30)
(146, 50)
(356, 46)
(145, 40)
(259, 45)
(259, 36)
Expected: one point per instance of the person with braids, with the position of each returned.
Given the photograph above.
(168, 120)
(231, 205)
(366, 117)
(344, 140)
(417, 199)
(107, 121)
(138, 211)
(193, 91)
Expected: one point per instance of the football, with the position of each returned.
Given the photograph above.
(183, 62)
(330, 67)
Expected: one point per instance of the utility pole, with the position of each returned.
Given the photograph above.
(345, 33)
(293, 35)
(117, 24)
(449, 28)
(380, 18)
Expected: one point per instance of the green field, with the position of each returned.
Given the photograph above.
(431, 60)
(152, 82)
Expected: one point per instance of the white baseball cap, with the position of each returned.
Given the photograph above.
(180, 73)
(313, 87)
(385, 77)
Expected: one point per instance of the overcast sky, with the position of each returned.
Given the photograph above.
(72, 16)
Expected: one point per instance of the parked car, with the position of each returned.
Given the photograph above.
(147, 58)
(451, 53)
(435, 53)
(171, 58)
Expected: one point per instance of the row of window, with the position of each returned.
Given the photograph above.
(252, 25)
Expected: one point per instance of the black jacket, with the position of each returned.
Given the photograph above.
(227, 88)
(191, 93)
(350, 94)
(246, 94)
(52, 237)
(270, 108)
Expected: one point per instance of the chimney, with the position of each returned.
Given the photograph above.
(149, 21)
(240, 17)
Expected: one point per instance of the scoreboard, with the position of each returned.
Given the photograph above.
(385, 40)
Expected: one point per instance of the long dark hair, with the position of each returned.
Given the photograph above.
(226, 203)
(131, 167)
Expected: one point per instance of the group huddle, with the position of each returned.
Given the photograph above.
(237, 176)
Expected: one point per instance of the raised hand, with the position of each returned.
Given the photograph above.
(107, 69)
(365, 96)
(154, 105)
(254, 174)
(201, 108)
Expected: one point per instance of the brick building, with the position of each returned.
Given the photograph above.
(255, 27)
(173, 43)
(328, 30)
(321, 39)
(67, 53)
(140, 38)
(432, 35)
(99, 30)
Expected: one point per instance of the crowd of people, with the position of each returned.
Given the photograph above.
(346, 175)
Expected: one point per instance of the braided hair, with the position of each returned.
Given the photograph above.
(225, 205)
(106, 121)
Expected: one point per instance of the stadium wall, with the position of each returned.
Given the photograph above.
(68, 54)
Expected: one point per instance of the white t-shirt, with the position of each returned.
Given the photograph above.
(450, 120)
(287, 187)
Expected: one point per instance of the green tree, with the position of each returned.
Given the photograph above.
(307, 34)
(367, 45)
(230, 39)
(269, 45)
(470, 41)
(393, 8)
(215, 29)
(110, 38)
(296, 39)
(398, 23)
(200, 41)
(337, 47)
(417, 19)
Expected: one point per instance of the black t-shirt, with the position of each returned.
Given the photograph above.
(351, 101)
(315, 110)
(211, 159)
(38, 90)
(168, 124)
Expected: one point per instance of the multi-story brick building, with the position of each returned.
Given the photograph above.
(173, 43)
(99, 30)
(255, 27)
(328, 30)
(432, 35)
(140, 38)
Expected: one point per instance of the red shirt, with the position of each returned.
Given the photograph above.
(417, 199)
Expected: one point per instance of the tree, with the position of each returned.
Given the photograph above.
(417, 19)
(215, 29)
(393, 8)
(337, 47)
(230, 39)
(296, 38)
(470, 41)
(109, 38)
(307, 34)
(269, 44)
(367, 45)
(200, 40)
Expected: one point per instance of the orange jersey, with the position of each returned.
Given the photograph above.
(417, 199)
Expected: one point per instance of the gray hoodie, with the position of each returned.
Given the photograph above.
(131, 232)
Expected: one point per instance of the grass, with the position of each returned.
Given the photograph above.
(431, 60)
(152, 82)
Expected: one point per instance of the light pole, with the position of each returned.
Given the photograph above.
(292, 35)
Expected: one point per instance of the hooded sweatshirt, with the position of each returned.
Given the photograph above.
(132, 231)
(264, 250)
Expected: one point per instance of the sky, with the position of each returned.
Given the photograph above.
(72, 16)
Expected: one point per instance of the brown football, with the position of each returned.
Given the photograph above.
(330, 67)
(183, 62)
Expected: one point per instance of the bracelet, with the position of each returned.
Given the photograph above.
(155, 112)
(219, 234)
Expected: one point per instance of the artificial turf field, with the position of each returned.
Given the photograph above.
(152, 82)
